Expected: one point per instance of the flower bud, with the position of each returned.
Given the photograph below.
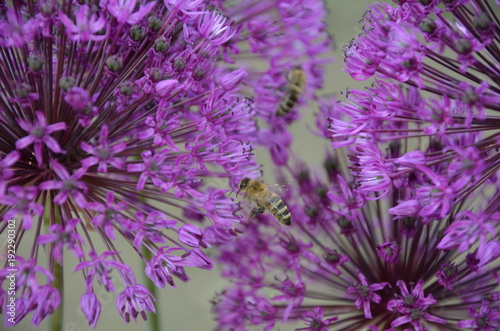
(35, 62)
(114, 63)
(233, 79)
(164, 87)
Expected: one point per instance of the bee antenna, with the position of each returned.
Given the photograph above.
(234, 188)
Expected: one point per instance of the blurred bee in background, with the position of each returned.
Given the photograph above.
(256, 191)
(296, 83)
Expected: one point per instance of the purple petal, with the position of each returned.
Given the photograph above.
(55, 127)
(24, 142)
(51, 185)
(400, 321)
(10, 158)
(52, 144)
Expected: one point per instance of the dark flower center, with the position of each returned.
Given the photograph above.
(321, 191)
(110, 214)
(292, 247)
(22, 204)
(312, 211)
(427, 25)
(416, 314)
(409, 299)
(449, 270)
(104, 154)
(153, 166)
(69, 184)
(332, 258)
(344, 223)
(362, 290)
(180, 63)
(388, 250)
(482, 322)
(315, 324)
(469, 97)
(38, 131)
(463, 46)
(482, 21)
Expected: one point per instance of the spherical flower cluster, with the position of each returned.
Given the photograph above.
(346, 263)
(115, 125)
(409, 239)
(436, 92)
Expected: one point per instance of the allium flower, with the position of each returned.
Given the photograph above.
(409, 239)
(341, 262)
(436, 89)
(346, 267)
(115, 125)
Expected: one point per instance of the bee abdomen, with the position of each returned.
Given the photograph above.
(271, 201)
(279, 210)
(285, 107)
(286, 217)
(294, 89)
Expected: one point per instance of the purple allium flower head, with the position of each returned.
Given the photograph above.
(435, 89)
(408, 240)
(438, 93)
(334, 268)
(120, 120)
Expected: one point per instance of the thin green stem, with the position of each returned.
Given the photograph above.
(153, 319)
(56, 319)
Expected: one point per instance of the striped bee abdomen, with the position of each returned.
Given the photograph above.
(279, 209)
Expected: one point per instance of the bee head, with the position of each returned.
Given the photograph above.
(243, 184)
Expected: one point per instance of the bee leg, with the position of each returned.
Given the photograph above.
(253, 212)
(256, 210)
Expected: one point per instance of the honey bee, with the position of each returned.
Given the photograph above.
(256, 191)
(296, 83)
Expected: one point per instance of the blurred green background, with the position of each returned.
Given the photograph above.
(187, 307)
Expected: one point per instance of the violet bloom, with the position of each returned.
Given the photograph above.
(135, 300)
(413, 306)
(436, 88)
(339, 261)
(486, 318)
(363, 292)
(406, 238)
(115, 127)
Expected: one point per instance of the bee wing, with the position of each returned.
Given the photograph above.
(280, 188)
